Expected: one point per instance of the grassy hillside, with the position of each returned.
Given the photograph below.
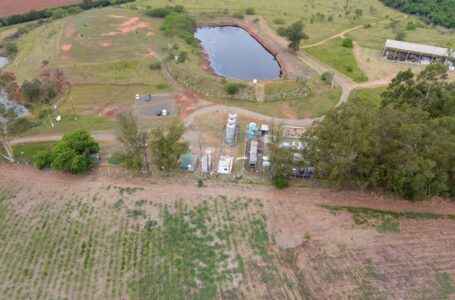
(317, 26)
(338, 57)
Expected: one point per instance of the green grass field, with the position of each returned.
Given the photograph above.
(24, 153)
(373, 95)
(338, 57)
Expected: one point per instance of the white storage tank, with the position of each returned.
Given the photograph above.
(230, 133)
(232, 119)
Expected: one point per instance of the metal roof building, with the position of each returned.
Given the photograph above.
(431, 51)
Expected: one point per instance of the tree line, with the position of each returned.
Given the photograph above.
(439, 12)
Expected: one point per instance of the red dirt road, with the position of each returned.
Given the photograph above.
(12, 7)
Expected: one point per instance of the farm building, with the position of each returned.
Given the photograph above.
(418, 53)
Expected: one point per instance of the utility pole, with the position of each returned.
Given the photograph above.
(333, 79)
(50, 119)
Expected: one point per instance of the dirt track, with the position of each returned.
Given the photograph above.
(11, 7)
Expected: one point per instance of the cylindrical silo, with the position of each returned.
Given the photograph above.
(230, 133)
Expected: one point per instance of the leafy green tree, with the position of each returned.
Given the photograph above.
(348, 42)
(134, 141)
(32, 89)
(340, 146)
(358, 12)
(166, 145)
(71, 154)
(430, 91)
(406, 146)
(295, 34)
(181, 25)
(281, 158)
(42, 159)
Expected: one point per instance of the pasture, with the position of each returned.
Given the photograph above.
(315, 15)
(97, 46)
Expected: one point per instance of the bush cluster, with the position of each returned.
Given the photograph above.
(162, 12)
(181, 25)
(72, 154)
(233, 88)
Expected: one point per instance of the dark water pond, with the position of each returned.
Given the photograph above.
(234, 53)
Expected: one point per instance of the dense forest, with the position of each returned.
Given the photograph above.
(406, 146)
(439, 12)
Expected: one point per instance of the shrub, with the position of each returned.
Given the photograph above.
(250, 11)
(232, 88)
(162, 12)
(71, 154)
(74, 10)
(239, 14)
(59, 13)
(327, 76)
(20, 125)
(31, 89)
(348, 42)
(282, 31)
(130, 160)
(42, 159)
(200, 183)
(182, 57)
(349, 69)
(11, 48)
(155, 65)
(279, 21)
(280, 181)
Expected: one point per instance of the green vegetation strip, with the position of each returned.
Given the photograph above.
(384, 220)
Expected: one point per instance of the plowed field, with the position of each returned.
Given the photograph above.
(11, 7)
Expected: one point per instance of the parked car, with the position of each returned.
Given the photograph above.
(148, 97)
(138, 97)
(162, 112)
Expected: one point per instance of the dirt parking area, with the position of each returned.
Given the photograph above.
(11, 7)
(157, 103)
(311, 246)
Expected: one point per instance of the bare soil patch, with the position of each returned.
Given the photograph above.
(131, 25)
